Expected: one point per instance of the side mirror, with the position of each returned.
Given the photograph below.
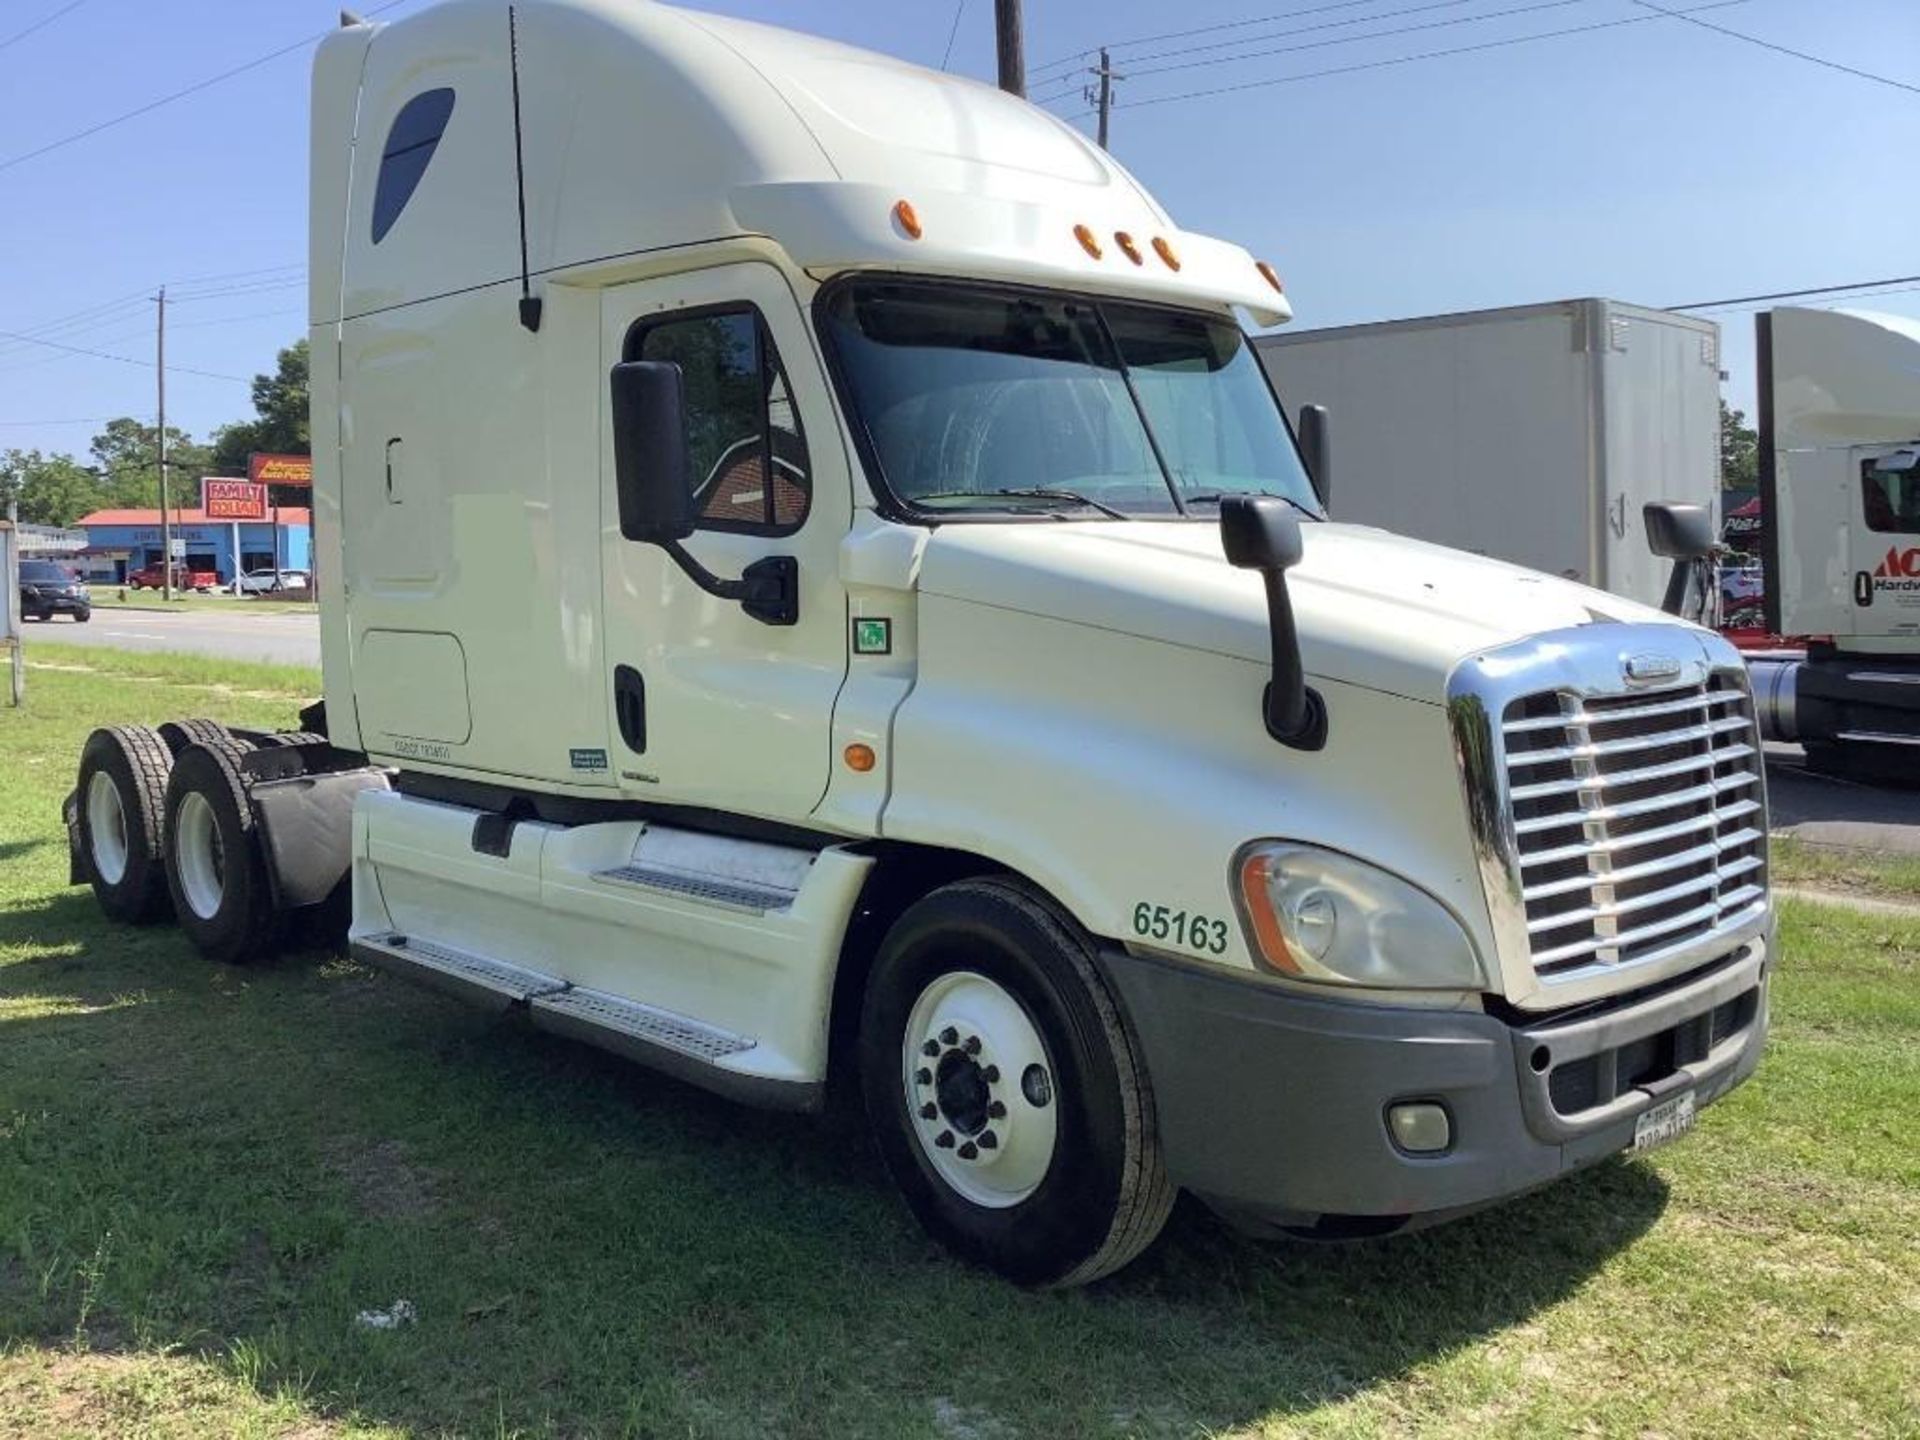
(650, 452)
(1683, 534)
(1261, 533)
(1316, 449)
(1678, 532)
(652, 481)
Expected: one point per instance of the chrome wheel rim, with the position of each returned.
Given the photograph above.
(979, 1089)
(199, 858)
(106, 828)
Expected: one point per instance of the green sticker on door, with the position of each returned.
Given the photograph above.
(873, 637)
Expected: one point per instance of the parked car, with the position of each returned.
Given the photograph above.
(270, 582)
(47, 590)
(149, 577)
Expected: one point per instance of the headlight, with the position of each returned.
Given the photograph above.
(1319, 915)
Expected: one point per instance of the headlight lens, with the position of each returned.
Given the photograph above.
(1319, 915)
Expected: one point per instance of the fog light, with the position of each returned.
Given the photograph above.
(1421, 1128)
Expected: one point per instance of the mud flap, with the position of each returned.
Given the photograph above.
(307, 821)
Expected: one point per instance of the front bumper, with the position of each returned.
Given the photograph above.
(1272, 1106)
(61, 603)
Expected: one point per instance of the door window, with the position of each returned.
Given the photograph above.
(1890, 492)
(746, 453)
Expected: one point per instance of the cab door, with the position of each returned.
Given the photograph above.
(1885, 540)
(711, 706)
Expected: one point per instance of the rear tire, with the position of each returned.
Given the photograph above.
(216, 872)
(122, 799)
(982, 979)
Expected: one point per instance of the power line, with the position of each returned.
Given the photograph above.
(1798, 294)
(123, 359)
(75, 420)
(1081, 55)
(953, 33)
(41, 23)
(1360, 39)
(181, 94)
(1780, 49)
(1409, 59)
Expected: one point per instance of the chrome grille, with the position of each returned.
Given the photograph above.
(1638, 820)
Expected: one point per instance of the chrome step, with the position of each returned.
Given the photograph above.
(474, 977)
(599, 1017)
(712, 889)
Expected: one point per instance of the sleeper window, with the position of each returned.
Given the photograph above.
(746, 454)
(414, 136)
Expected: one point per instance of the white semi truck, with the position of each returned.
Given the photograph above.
(815, 580)
(1840, 537)
(1531, 433)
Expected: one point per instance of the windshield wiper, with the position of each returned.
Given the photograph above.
(1214, 497)
(1072, 497)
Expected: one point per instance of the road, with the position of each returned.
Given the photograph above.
(282, 637)
(1817, 809)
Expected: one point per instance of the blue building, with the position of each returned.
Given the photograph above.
(122, 541)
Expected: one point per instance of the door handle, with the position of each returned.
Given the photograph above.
(630, 707)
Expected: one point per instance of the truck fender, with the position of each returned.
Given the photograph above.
(307, 822)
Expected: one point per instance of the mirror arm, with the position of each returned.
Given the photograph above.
(768, 590)
(1294, 712)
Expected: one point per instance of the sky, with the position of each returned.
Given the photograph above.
(1655, 162)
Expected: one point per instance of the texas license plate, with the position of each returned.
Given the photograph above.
(1668, 1120)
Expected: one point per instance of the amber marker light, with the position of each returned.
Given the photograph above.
(1165, 252)
(1127, 247)
(1267, 274)
(907, 218)
(859, 757)
(1087, 242)
(1267, 930)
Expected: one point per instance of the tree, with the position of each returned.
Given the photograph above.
(49, 489)
(1739, 450)
(280, 423)
(126, 454)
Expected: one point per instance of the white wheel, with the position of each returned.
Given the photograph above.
(980, 1088)
(106, 828)
(199, 857)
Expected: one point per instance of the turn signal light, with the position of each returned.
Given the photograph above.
(859, 757)
(1087, 242)
(1165, 252)
(1127, 247)
(907, 218)
(1267, 274)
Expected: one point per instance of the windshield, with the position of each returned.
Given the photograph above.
(42, 572)
(980, 398)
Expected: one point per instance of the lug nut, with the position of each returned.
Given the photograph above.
(949, 1036)
(991, 1074)
(989, 1140)
(944, 1140)
(972, 1045)
(968, 1152)
(931, 1048)
(923, 1076)
(929, 1111)
(996, 1111)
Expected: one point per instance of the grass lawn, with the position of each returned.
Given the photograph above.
(107, 597)
(1846, 872)
(206, 1173)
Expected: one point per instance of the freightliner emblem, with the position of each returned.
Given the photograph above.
(1646, 669)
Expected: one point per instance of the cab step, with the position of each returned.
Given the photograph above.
(608, 1019)
(493, 983)
(746, 875)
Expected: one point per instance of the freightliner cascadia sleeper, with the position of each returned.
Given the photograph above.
(815, 580)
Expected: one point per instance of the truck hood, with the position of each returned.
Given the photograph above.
(1373, 608)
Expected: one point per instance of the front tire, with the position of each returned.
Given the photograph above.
(122, 799)
(216, 872)
(1004, 1089)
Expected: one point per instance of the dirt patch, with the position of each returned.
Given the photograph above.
(385, 1183)
(59, 1393)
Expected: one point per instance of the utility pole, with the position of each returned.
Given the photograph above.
(1012, 47)
(160, 380)
(1102, 99)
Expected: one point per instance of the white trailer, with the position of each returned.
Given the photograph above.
(1840, 537)
(1535, 433)
(814, 578)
